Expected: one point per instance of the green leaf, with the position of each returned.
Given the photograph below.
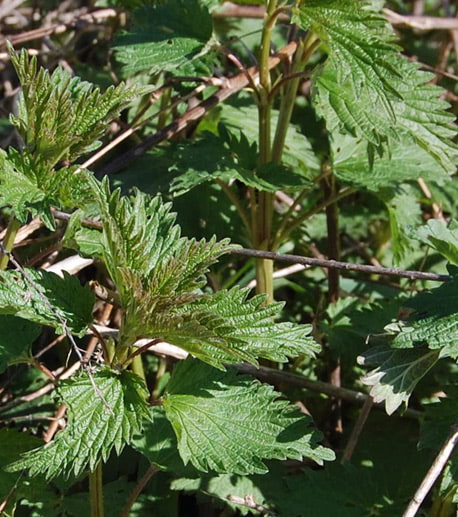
(251, 323)
(368, 87)
(211, 158)
(165, 38)
(32, 189)
(438, 333)
(442, 238)
(159, 444)
(228, 423)
(66, 299)
(60, 117)
(405, 161)
(14, 443)
(16, 337)
(404, 214)
(438, 421)
(298, 153)
(397, 373)
(93, 429)
(224, 488)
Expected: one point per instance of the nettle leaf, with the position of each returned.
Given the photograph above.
(405, 161)
(298, 154)
(93, 429)
(169, 37)
(441, 237)
(228, 423)
(16, 337)
(438, 333)
(251, 322)
(398, 372)
(60, 117)
(159, 275)
(211, 158)
(32, 189)
(67, 298)
(158, 443)
(373, 91)
(404, 214)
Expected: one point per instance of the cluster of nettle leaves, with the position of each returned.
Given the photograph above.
(386, 125)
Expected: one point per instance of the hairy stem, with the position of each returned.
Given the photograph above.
(96, 491)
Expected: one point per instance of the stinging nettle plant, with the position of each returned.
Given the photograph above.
(375, 126)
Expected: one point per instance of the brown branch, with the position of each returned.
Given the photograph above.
(425, 23)
(345, 266)
(356, 431)
(273, 376)
(138, 489)
(306, 261)
(235, 84)
(433, 473)
(85, 20)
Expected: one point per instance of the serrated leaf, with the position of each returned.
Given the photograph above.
(369, 87)
(397, 373)
(210, 158)
(93, 429)
(229, 423)
(438, 333)
(16, 337)
(251, 322)
(405, 161)
(70, 301)
(158, 443)
(165, 38)
(60, 117)
(441, 237)
(32, 189)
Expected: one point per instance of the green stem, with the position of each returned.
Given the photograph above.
(262, 208)
(8, 241)
(96, 491)
(306, 215)
(137, 367)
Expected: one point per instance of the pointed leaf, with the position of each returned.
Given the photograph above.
(228, 423)
(397, 373)
(58, 298)
(93, 429)
(368, 87)
(60, 117)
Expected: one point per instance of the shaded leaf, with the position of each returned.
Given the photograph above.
(228, 423)
(93, 429)
(165, 38)
(16, 337)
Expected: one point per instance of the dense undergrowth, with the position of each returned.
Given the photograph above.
(154, 360)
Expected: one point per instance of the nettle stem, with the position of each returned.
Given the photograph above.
(8, 241)
(96, 491)
(263, 202)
